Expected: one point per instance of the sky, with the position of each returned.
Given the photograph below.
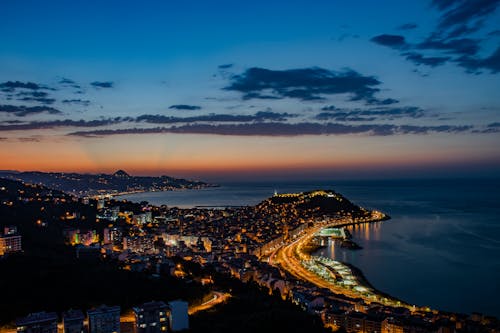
(252, 90)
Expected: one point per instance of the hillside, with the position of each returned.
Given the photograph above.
(95, 184)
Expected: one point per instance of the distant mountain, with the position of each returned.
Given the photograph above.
(95, 184)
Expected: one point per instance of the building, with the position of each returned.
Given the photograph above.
(179, 319)
(104, 319)
(40, 322)
(151, 317)
(73, 321)
(10, 243)
(10, 230)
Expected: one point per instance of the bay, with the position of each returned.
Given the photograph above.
(441, 247)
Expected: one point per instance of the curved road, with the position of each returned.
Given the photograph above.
(289, 257)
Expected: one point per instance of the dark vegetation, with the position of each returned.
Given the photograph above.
(250, 309)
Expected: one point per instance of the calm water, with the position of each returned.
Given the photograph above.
(441, 248)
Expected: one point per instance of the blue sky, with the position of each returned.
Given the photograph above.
(351, 73)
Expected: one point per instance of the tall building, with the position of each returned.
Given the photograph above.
(73, 321)
(151, 317)
(179, 319)
(10, 244)
(104, 319)
(40, 322)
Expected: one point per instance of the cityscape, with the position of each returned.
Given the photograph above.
(250, 167)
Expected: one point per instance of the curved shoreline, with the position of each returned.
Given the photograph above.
(291, 257)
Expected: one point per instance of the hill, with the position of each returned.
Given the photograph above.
(99, 184)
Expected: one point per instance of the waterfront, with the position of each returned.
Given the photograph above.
(441, 248)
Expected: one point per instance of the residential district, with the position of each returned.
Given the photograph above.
(271, 244)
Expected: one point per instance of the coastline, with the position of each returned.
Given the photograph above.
(428, 219)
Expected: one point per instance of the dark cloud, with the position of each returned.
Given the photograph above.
(66, 81)
(304, 84)
(386, 101)
(253, 95)
(259, 116)
(475, 64)
(35, 96)
(46, 101)
(407, 26)
(69, 83)
(23, 111)
(330, 108)
(460, 15)
(225, 66)
(185, 107)
(392, 41)
(35, 125)
(11, 85)
(419, 59)
(98, 84)
(453, 39)
(78, 101)
(280, 129)
(342, 116)
(463, 46)
(372, 114)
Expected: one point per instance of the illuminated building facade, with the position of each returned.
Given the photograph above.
(10, 244)
(73, 321)
(151, 317)
(40, 322)
(104, 319)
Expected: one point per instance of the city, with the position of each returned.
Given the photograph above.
(263, 244)
(250, 166)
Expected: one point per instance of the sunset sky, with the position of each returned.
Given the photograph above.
(231, 89)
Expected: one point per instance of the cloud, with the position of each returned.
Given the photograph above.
(305, 84)
(474, 64)
(454, 39)
(69, 83)
(392, 41)
(419, 59)
(36, 125)
(330, 108)
(105, 84)
(407, 26)
(17, 84)
(184, 107)
(259, 116)
(34, 96)
(23, 111)
(82, 102)
(463, 46)
(11, 86)
(45, 101)
(66, 81)
(280, 129)
(463, 16)
(372, 114)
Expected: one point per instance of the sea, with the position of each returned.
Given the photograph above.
(441, 247)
